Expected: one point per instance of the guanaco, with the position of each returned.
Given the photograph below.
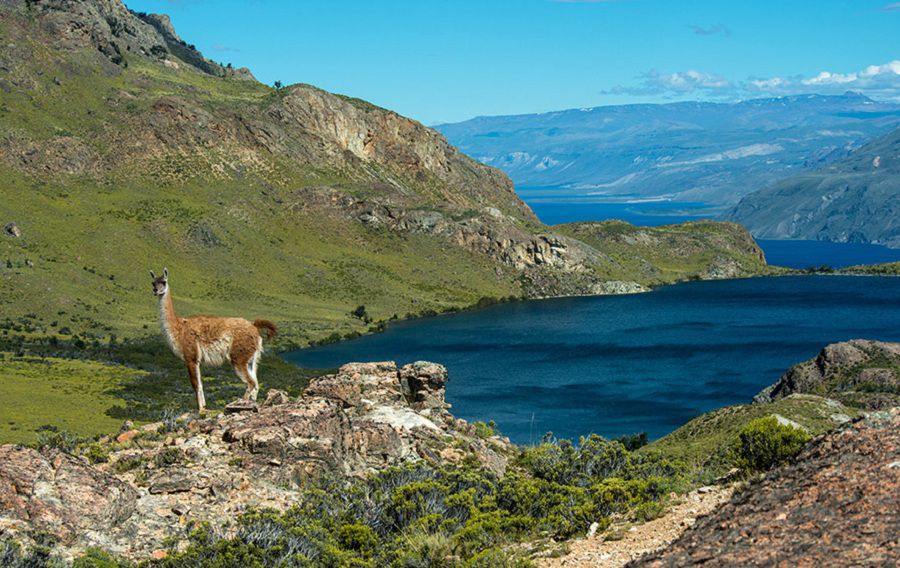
(210, 340)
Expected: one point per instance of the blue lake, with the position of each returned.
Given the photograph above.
(643, 214)
(622, 364)
(803, 254)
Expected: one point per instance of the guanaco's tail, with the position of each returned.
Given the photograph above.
(270, 328)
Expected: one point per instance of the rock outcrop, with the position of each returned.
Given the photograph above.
(115, 31)
(364, 418)
(59, 494)
(837, 505)
(860, 373)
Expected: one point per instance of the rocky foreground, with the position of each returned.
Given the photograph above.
(364, 418)
(838, 505)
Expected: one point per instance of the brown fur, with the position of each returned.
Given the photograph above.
(210, 340)
(270, 328)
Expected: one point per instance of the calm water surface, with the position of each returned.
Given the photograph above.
(623, 364)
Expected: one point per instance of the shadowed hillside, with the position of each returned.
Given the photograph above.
(855, 200)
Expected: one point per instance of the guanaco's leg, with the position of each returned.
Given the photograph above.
(242, 370)
(251, 370)
(197, 383)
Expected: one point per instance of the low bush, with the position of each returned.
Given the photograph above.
(765, 442)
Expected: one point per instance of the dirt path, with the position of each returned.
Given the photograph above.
(595, 552)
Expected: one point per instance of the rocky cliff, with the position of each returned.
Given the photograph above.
(365, 418)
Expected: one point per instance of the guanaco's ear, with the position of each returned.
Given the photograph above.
(153, 276)
(165, 273)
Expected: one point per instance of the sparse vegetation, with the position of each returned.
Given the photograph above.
(707, 443)
(421, 516)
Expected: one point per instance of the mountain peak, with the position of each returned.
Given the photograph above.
(119, 33)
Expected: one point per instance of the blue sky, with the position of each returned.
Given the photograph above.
(449, 60)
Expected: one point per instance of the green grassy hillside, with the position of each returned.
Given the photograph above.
(123, 150)
(293, 204)
(708, 441)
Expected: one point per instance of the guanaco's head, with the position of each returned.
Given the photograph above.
(160, 283)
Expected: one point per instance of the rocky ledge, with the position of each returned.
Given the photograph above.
(837, 505)
(366, 417)
(860, 373)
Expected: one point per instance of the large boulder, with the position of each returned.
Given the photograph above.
(59, 494)
(859, 372)
(365, 417)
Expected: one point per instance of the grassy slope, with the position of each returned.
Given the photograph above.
(705, 440)
(92, 238)
(659, 255)
(35, 389)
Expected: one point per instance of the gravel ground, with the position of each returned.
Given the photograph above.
(597, 552)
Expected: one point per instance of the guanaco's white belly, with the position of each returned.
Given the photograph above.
(216, 352)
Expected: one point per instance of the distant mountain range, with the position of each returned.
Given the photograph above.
(856, 199)
(713, 153)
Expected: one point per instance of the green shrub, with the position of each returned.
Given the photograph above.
(765, 442)
(96, 453)
(95, 558)
(12, 556)
(485, 430)
(128, 463)
(167, 457)
(633, 442)
(50, 437)
(360, 538)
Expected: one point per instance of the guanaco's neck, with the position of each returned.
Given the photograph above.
(168, 321)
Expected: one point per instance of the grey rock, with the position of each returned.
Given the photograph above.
(241, 405)
(60, 494)
(172, 480)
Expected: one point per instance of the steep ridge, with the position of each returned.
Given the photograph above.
(854, 200)
(122, 147)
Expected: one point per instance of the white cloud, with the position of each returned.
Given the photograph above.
(879, 81)
(674, 84)
(895, 7)
(718, 29)
(876, 81)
